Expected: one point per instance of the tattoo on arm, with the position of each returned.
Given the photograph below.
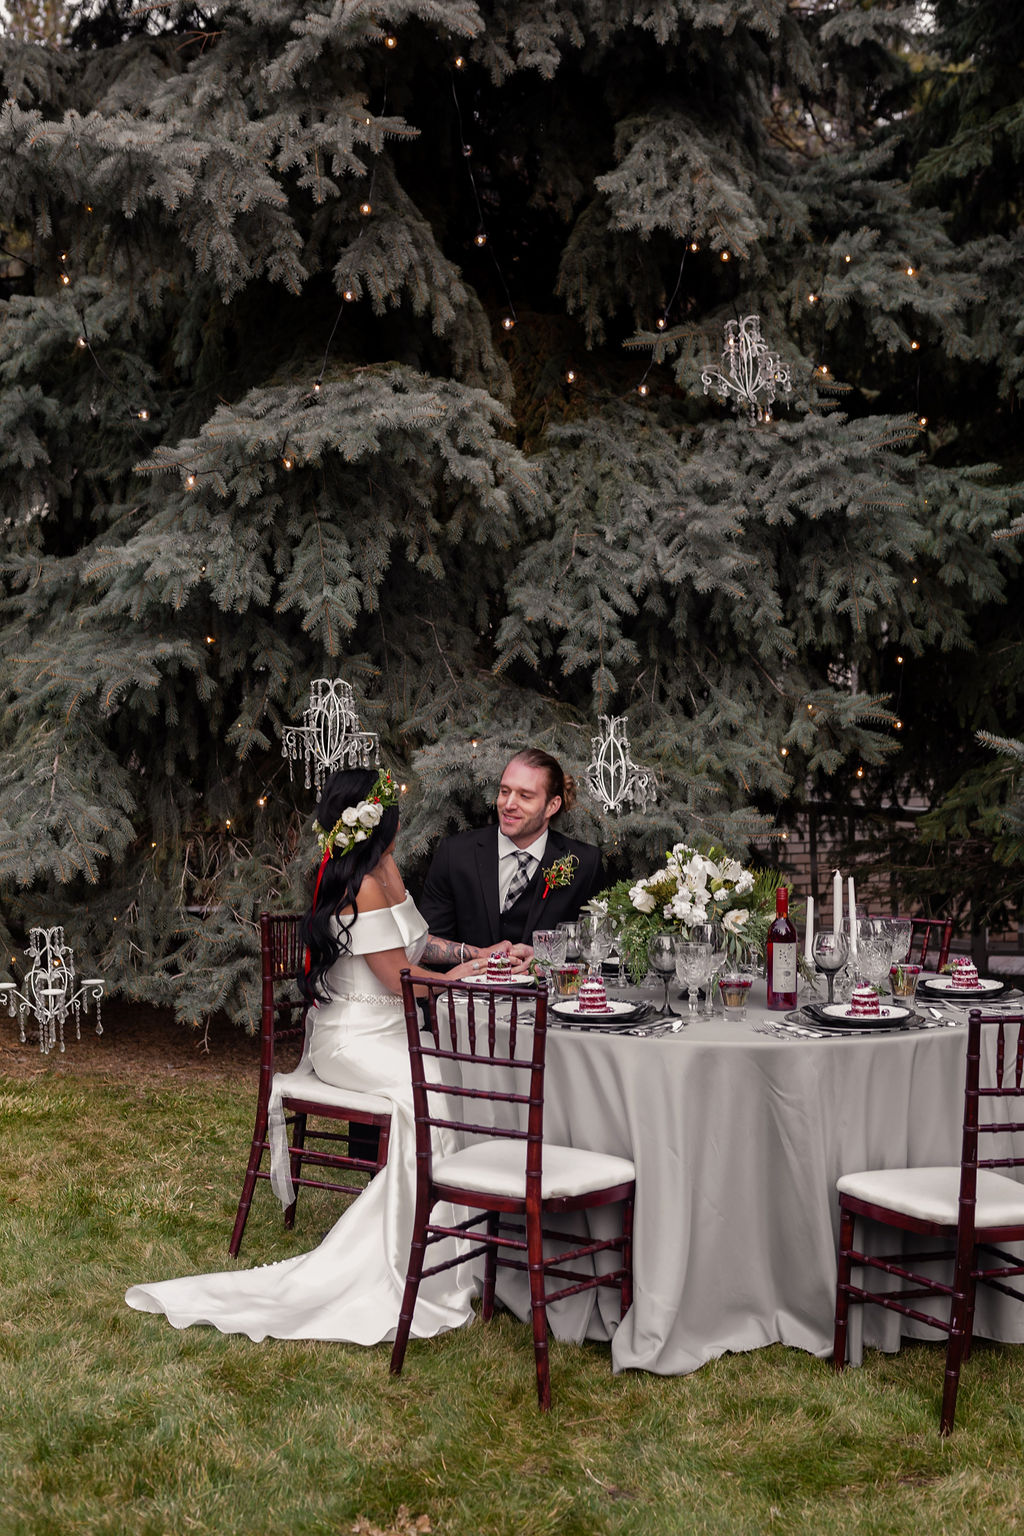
(445, 952)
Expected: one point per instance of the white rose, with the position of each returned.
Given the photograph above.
(641, 897)
(370, 814)
(745, 882)
(359, 836)
(735, 921)
(350, 816)
(680, 906)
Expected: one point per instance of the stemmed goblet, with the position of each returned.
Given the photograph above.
(830, 952)
(693, 970)
(661, 957)
(595, 936)
(549, 947)
(713, 934)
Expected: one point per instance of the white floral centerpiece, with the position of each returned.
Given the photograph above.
(693, 887)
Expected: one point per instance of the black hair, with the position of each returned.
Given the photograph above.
(343, 875)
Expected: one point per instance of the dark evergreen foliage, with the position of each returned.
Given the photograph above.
(262, 421)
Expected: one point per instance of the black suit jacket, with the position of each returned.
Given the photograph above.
(460, 895)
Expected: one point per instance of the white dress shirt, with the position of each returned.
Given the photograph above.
(508, 863)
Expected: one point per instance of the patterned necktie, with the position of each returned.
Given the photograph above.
(520, 880)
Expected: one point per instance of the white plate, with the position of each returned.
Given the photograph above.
(883, 1016)
(947, 984)
(617, 1010)
(524, 980)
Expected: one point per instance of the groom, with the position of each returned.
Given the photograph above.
(488, 884)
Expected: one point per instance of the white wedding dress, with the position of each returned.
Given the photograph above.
(350, 1287)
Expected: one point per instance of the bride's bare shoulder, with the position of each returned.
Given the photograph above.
(372, 894)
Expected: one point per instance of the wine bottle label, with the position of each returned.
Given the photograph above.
(783, 968)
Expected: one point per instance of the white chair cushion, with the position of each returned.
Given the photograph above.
(499, 1168)
(931, 1194)
(303, 1083)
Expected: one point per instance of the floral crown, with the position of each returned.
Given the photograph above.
(357, 822)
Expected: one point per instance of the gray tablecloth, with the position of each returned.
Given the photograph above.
(738, 1139)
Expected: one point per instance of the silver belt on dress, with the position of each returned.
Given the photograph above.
(377, 999)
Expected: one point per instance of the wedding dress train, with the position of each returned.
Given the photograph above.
(350, 1287)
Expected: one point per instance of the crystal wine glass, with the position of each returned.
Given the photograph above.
(549, 947)
(830, 952)
(693, 970)
(595, 936)
(713, 934)
(661, 957)
(874, 958)
(900, 929)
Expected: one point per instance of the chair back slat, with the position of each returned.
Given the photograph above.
(464, 1052)
(1005, 1085)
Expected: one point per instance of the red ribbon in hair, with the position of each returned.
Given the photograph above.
(316, 892)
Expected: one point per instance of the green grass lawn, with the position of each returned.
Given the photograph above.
(112, 1422)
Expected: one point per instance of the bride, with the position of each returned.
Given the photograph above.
(362, 929)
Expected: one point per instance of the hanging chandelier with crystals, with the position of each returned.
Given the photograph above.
(750, 375)
(330, 735)
(612, 774)
(50, 992)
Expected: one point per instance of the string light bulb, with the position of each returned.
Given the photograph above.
(725, 256)
(897, 725)
(211, 640)
(694, 246)
(915, 346)
(366, 209)
(65, 279)
(784, 751)
(642, 389)
(81, 342)
(899, 661)
(460, 62)
(847, 257)
(143, 415)
(570, 376)
(480, 239)
(288, 462)
(227, 823)
(349, 294)
(911, 271)
(391, 41)
(261, 801)
(661, 322)
(860, 773)
(507, 323)
(190, 481)
(316, 387)
(812, 298)
(922, 421)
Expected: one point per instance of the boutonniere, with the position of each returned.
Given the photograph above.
(560, 873)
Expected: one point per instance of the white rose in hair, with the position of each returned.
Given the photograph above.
(359, 836)
(370, 814)
(350, 816)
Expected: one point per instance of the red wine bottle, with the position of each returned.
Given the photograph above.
(781, 955)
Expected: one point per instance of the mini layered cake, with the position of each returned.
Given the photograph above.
(864, 1003)
(965, 975)
(499, 968)
(592, 996)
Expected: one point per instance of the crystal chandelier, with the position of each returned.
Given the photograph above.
(753, 371)
(330, 736)
(50, 993)
(612, 775)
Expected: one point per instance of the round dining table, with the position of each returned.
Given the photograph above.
(738, 1138)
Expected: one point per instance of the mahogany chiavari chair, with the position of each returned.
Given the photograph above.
(971, 1208)
(361, 1121)
(480, 1073)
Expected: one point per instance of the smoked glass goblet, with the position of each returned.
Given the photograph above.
(830, 952)
(661, 957)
